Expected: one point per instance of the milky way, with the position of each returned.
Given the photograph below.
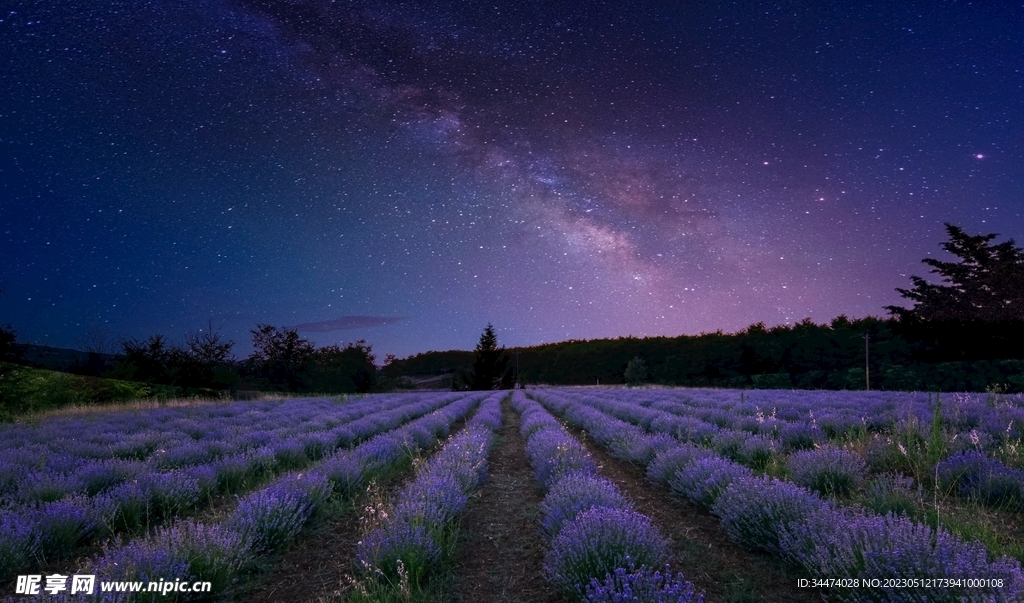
(412, 171)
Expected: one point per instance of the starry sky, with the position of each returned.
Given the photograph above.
(406, 172)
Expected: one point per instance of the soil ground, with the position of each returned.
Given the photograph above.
(501, 548)
(701, 550)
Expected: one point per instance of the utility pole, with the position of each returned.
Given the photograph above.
(518, 384)
(867, 368)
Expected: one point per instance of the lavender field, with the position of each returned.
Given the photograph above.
(548, 494)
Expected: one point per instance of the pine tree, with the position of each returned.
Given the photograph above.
(985, 285)
(490, 362)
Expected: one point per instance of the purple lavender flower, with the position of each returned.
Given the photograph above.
(19, 542)
(757, 511)
(703, 480)
(554, 454)
(102, 475)
(667, 463)
(382, 549)
(838, 543)
(642, 585)
(830, 471)
(757, 451)
(63, 524)
(575, 493)
(597, 542)
(212, 553)
(973, 475)
(800, 436)
(893, 493)
(274, 515)
(170, 493)
(433, 502)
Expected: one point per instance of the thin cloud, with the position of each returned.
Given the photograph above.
(348, 322)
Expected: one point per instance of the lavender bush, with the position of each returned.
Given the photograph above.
(597, 542)
(893, 493)
(800, 436)
(641, 585)
(398, 544)
(433, 502)
(667, 463)
(758, 451)
(62, 525)
(971, 474)
(554, 454)
(758, 511)
(276, 514)
(830, 471)
(20, 541)
(704, 480)
(842, 543)
(578, 492)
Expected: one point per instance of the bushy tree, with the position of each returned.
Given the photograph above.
(281, 356)
(636, 371)
(344, 369)
(204, 361)
(490, 363)
(985, 284)
(145, 360)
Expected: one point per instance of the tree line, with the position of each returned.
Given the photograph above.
(961, 333)
(203, 363)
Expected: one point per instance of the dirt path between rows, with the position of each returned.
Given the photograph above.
(701, 549)
(501, 548)
(319, 565)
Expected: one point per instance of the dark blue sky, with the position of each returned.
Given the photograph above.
(563, 170)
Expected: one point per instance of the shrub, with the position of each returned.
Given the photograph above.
(757, 452)
(20, 541)
(62, 525)
(704, 480)
(830, 471)
(973, 475)
(432, 502)
(276, 514)
(667, 463)
(756, 512)
(396, 545)
(575, 493)
(641, 586)
(554, 454)
(799, 436)
(892, 493)
(597, 542)
(833, 543)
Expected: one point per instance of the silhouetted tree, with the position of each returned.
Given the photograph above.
(489, 364)
(204, 361)
(344, 369)
(636, 371)
(281, 356)
(100, 346)
(147, 360)
(986, 284)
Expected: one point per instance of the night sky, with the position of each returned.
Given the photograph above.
(406, 172)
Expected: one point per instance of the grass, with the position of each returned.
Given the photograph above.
(28, 391)
(32, 394)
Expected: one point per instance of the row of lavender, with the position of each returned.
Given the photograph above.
(221, 552)
(89, 453)
(602, 550)
(45, 532)
(824, 538)
(966, 463)
(408, 541)
(993, 417)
